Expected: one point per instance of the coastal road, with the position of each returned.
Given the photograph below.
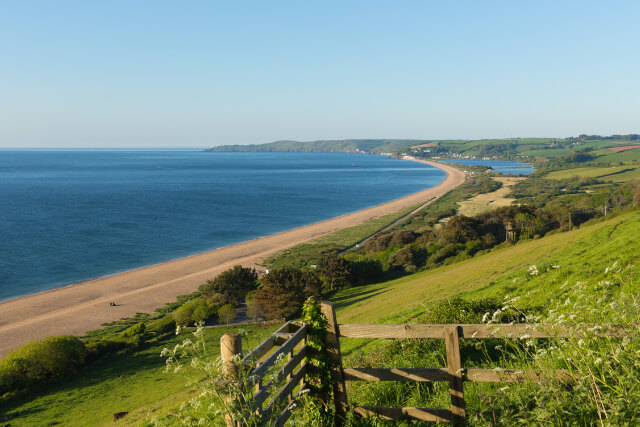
(78, 308)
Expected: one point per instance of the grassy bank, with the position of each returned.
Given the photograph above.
(135, 383)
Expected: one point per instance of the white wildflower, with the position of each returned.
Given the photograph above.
(505, 388)
(581, 342)
(533, 270)
(597, 361)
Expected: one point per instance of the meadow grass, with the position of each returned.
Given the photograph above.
(621, 173)
(136, 383)
(310, 253)
(585, 275)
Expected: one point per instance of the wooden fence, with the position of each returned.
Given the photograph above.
(290, 340)
(291, 334)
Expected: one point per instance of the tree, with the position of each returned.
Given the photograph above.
(226, 313)
(230, 286)
(283, 290)
(335, 273)
(255, 310)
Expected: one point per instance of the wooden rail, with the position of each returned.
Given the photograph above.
(267, 399)
(287, 338)
(455, 374)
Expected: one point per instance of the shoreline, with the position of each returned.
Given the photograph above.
(76, 308)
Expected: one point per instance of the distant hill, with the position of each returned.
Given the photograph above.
(329, 146)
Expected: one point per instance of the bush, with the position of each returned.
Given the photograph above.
(40, 360)
(226, 313)
(194, 312)
(136, 329)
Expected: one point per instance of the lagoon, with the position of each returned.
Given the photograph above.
(500, 166)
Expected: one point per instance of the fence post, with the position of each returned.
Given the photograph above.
(454, 366)
(230, 346)
(332, 345)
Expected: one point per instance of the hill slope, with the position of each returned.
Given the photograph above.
(581, 253)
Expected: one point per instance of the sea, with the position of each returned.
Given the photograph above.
(501, 166)
(68, 216)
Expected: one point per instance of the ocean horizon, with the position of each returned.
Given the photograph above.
(67, 216)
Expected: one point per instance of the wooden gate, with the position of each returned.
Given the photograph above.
(292, 333)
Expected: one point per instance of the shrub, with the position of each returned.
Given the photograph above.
(40, 360)
(194, 312)
(204, 311)
(136, 329)
(226, 313)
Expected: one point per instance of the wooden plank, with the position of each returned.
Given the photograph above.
(266, 345)
(398, 413)
(261, 396)
(286, 412)
(454, 366)
(514, 375)
(332, 347)
(262, 349)
(287, 389)
(396, 374)
(261, 370)
(518, 330)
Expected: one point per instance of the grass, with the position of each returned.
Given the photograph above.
(135, 383)
(574, 277)
(488, 201)
(621, 173)
(621, 156)
(310, 253)
(584, 250)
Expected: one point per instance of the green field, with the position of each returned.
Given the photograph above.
(134, 382)
(611, 173)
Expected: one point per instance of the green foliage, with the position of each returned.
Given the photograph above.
(194, 312)
(283, 291)
(41, 360)
(162, 325)
(230, 286)
(335, 273)
(226, 313)
(137, 329)
(317, 407)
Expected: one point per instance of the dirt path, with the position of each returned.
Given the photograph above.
(78, 308)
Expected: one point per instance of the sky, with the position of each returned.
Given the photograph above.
(197, 74)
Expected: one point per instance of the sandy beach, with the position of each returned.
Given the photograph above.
(78, 308)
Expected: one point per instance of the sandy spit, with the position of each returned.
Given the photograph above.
(77, 308)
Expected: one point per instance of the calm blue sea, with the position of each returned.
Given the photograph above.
(501, 166)
(70, 216)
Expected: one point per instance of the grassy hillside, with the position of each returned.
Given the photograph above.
(134, 382)
(582, 251)
(621, 173)
(586, 275)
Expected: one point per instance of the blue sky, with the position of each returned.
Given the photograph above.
(188, 74)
